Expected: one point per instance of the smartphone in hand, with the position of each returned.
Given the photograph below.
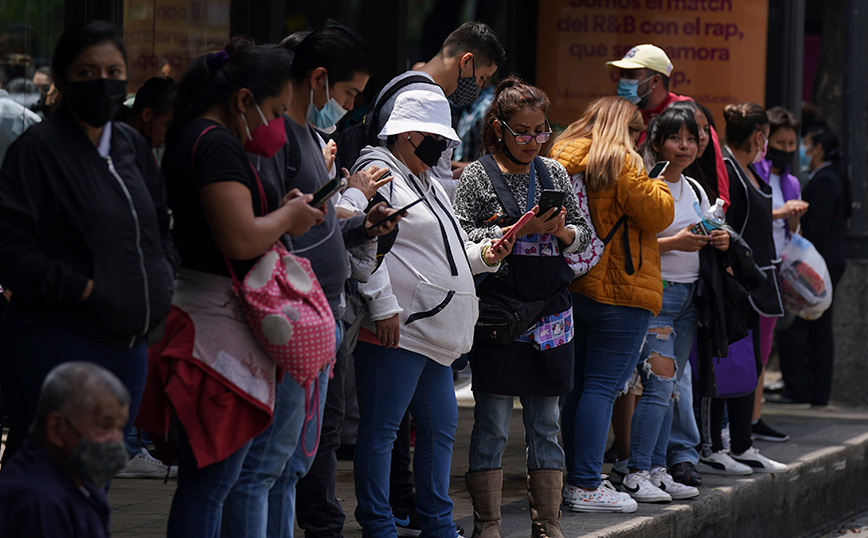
(550, 198)
(515, 229)
(328, 190)
(658, 169)
(394, 215)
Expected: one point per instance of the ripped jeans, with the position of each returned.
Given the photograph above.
(666, 350)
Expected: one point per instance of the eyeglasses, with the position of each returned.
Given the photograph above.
(522, 139)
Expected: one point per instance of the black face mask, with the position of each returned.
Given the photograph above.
(780, 159)
(429, 150)
(97, 101)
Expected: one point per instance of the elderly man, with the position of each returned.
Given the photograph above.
(55, 485)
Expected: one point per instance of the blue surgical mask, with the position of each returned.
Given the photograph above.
(325, 120)
(628, 88)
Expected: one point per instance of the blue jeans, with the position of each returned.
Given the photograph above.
(670, 336)
(32, 347)
(684, 435)
(608, 339)
(491, 417)
(197, 507)
(262, 502)
(388, 382)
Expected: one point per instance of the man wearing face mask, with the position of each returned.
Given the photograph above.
(469, 56)
(644, 73)
(54, 486)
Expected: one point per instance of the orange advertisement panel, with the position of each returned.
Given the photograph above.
(164, 36)
(717, 48)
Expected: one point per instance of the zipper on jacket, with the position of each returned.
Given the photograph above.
(135, 215)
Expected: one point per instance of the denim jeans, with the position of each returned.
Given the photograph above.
(388, 382)
(32, 347)
(491, 417)
(197, 507)
(670, 336)
(262, 502)
(607, 343)
(684, 434)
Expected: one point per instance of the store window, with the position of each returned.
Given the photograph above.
(164, 36)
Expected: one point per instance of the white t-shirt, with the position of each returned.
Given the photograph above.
(779, 226)
(677, 265)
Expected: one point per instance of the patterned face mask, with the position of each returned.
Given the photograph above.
(468, 89)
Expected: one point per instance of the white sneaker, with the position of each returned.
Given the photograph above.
(602, 499)
(759, 463)
(146, 466)
(721, 462)
(661, 478)
(639, 486)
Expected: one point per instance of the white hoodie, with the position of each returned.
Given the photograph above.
(415, 280)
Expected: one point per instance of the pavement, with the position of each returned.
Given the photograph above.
(825, 484)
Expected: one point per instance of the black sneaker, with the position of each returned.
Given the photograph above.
(686, 473)
(763, 432)
(407, 523)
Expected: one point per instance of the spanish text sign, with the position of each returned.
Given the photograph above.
(717, 47)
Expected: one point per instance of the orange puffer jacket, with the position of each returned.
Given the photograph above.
(649, 209)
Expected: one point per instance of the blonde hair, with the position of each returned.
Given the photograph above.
(607, 122)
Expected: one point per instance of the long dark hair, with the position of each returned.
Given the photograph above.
(704, 168)
(214, 78)
(826, 138)
(669, 122)
(511, 96)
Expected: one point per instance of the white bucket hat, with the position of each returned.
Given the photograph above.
(424, 111)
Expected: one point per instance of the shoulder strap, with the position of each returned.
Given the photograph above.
(395, 88)
(544, 177)
(628, 262)
(695, 188)
(504, 195)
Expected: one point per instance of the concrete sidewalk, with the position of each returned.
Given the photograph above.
(827, 454)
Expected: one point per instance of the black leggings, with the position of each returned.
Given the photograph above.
(711, 423)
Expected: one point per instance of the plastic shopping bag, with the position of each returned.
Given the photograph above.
(806, 286)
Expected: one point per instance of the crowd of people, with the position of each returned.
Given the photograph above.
(207, 265)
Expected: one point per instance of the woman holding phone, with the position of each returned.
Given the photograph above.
(615, 300)
(421, 308)
(537, 366)
(674, 137)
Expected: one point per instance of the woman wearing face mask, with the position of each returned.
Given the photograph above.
(86, 250)
(421, 309)
(538, 366)
(614, 301)
(225, 218)
(750, 215)
(807, 348)
(787, 209)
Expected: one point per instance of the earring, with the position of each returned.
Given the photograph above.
(499, 139)
(408, 137)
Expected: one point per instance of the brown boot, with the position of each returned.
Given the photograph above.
(544, 497)
(485, 492)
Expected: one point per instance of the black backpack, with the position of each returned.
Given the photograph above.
(353, 139)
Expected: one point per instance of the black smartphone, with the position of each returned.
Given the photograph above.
(328, 190)
(394, 215)
(658, 169)
(550, 198)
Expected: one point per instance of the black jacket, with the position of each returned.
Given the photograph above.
(67, 215)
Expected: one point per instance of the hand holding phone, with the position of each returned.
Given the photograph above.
(514, 230)
(658, 169)
(324, 193)
(550, 198)
(394, 215)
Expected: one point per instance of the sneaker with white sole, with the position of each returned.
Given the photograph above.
(639, 486)
(146, 466)
(602, 499)
(721, 462)
(759, 463)
(661, 478)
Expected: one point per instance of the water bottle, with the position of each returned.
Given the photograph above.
(712, 219)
